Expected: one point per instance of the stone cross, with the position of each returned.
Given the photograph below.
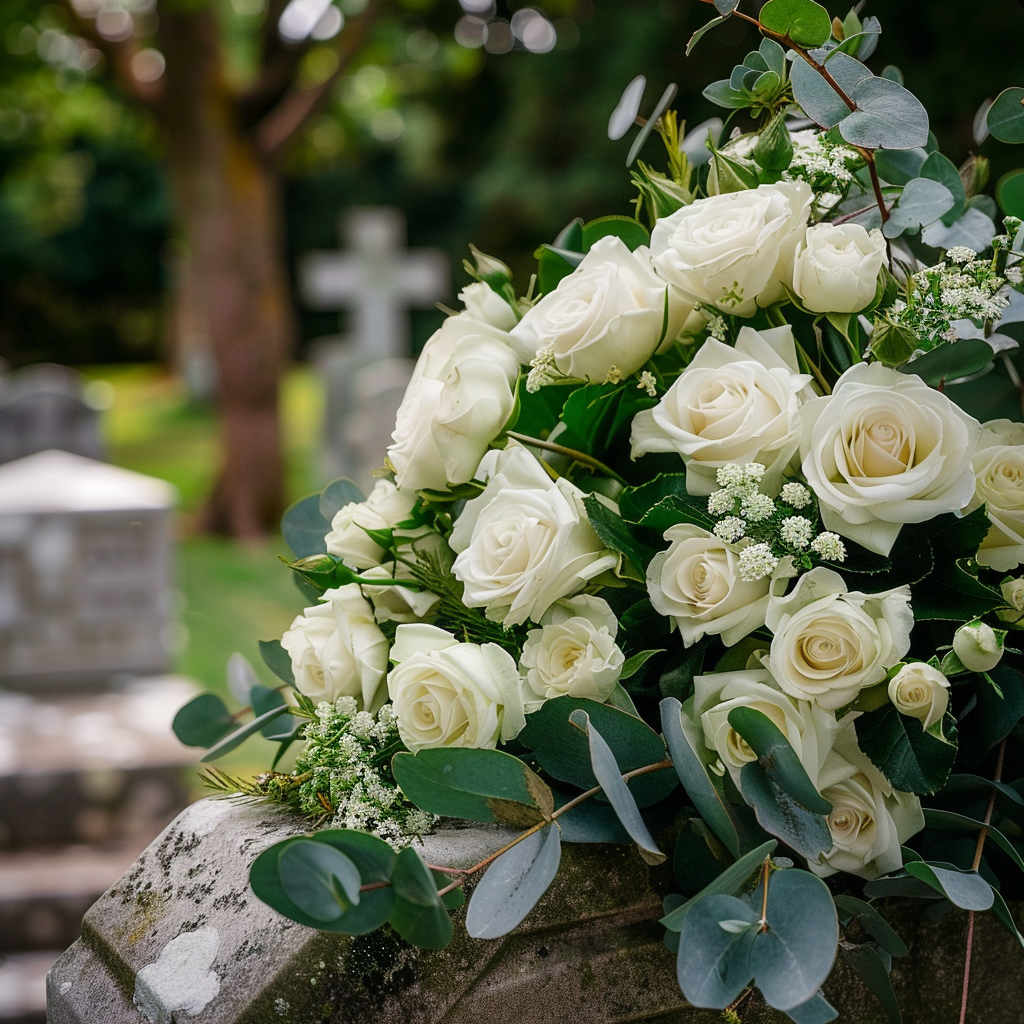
(375, 279)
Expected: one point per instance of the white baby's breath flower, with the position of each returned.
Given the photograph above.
(796, 531)
(795, 495)
(721, 502)
(756, 508)
(830, 547)
(960, 254)
(730, 529)
(756, 562)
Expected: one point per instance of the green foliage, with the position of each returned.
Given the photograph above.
(336, 495)
(1005, 117)
(913, 760)
(203, 721)
(420, 915)
(319, 879)
(240, 735)
(964, 889)
(801, 21)
(780, 815)
(278, 660)
(304, 527)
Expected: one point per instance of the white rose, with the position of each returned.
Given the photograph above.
(883, 450)
(459, 398)
(525, 541)
(730, 406)
(697, 584)
(811, 730)
(398, 603)
(978, 646)
(609, 312)
(451, 694)
(734, 249)
(830, 643)
(999, 484)
(574, 652)
(483, 303)
(869, 820)
(836, 269)
(337, 650)
(920, 691)
(1013, 594)
(383, 510)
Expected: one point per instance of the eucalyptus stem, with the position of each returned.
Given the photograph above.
(762, 925)
(581, 457)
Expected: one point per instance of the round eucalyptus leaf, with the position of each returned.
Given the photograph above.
(714, 966)
(1005, 117)
(627, 108)
(304, 527)
(321, 881)
(975, 230)
(980, 131)
(921, 202)
(694, 143)
(964, 889)
(1010, 193)
(899, 166)
(887, 116)
(817, 98)
(241, 678)
(203, 721)
(419, 915)
(801, 21)
(336, 495)
(941, 169)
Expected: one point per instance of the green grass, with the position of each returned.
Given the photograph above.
(230, 595)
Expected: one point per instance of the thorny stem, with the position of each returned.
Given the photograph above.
(978, 850)
(464, 873)
(582, 458)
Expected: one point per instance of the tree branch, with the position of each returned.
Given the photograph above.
(298, 103)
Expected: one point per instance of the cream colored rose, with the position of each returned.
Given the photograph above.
(810, 729)
(733, 250)
(525, 542)
(730, 406)
(920, 691)
(398, 603)
(573, 653)
(696, 583)
(337, 650)
(483, 303)
(609, 312)
(830, 643)
(451, 694)
(383, 510)
(978, 646)
(836, 268)
(999, 471)
(1013, 594)
(459, 398)
(885, 449)
(869, 819)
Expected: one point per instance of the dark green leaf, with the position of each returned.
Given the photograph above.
(994, 714)
(900, 884)
(1006, 116)
(634, 502)
(913, 760)
(632, 233)
(949, 821)
(264, 699)
(941, 169)
(778, 758)
(239, 736)
(374, 860)
(962, 783)
(620, 698)
(614, 533)
(304, 528)
(704, 29)
(633, 664)
(678, 509)
(952, 360)
(319, 879)
(609, 777)
(482, 785)
(419, 916)
(1002, 913)
(802, 21)
(729, 882)
(336, 495)
(774, 149)
(563, 751)
(552, 265)
(1010, 193)
(570, 238)
(512, 885)
(899, 166)
(873, 923)
(780, 815)
(278, 660)
(203, 721)
(705, 792)
(713, 966)
(871, 970)
(964, 889)
(792, 959)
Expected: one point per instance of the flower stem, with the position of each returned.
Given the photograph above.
(582, 458)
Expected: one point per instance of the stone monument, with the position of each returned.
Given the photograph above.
(367, 369)
(85, 562)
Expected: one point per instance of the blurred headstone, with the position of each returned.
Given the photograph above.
(366, 370)
(49, 406)
(85, 560)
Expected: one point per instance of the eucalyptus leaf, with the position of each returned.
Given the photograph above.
(609, 777)
(1005, 118)
(321, 880)
(1005, 917)
(975, 230)
(203, 721)
(899, 166)
(941, 169)
(887, 116)
(419, 915)
(817, 1010)
(873, 923)
(662, 105)
(871, 969)
(964, 889)
(726, 6)
(780, 815)
(921, 202)
(800, 21)
(512, 885)
(703, 31)
(818, 100)
(1010, 193)
(624, 114)
(304, 527)
(949, 821)
(713, 966)
(336, 495)
(239, 736)
(278, 660)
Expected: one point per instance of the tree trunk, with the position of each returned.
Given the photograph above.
(228, 209)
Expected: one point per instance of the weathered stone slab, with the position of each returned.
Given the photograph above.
(181, 938)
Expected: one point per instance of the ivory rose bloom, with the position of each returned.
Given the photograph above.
(829, 643)
(483, 303)
(383, 510)
(732, 250)
(836, 268)
(459, 398)
(921, 691)
(451, 694)
(885, 449)
(697, 584)
(608, 313)
(573, 653)
(730, 406)
(869, 819)
(337, 650)
(999, 470)
(1013, 594)
(811, 730)
(525, 541)
(978, 646)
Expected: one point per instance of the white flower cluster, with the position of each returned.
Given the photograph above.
(828, 167)
(343, 771)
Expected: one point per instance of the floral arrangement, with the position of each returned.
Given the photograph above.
(700, 541)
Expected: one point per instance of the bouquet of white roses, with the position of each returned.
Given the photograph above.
(698, 537)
